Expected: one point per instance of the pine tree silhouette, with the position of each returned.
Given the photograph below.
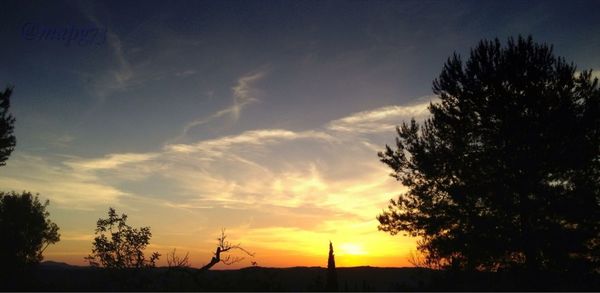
(332, 281)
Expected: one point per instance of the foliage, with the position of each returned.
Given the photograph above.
(506, 171)
(417, 260)
(7, 121)
(25, 229)
(120, 246)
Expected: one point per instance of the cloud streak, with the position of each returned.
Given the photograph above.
(382, 119)
(185, 73)
(216, 147)
(111, 161)
(272, 166)
(119, 78)
(66, 189)
(243, 92)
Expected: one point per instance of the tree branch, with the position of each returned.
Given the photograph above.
(225, 246)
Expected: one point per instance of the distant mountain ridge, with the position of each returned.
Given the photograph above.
(57, 265)
(59, 276)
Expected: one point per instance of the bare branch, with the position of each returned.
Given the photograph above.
(174, 261)
(416, 260)
(223, 247)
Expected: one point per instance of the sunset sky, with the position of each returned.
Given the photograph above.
(261, 117)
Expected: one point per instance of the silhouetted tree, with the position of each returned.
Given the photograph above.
(506, 171)
(175, 261)
(25, 230)
(119, 246)
(419, 261)
(225, 246)
(332, 280)
(7, 121)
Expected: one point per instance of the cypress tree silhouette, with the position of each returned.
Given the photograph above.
(332, 281)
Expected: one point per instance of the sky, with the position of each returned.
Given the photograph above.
(260, 117)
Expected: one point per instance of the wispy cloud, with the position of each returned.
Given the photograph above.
(272, 166)
(117, 78)
(66, 189)
(124, 72)
(110, 161)
(216, 147)
(185, 73)
(63, 141)
(267, 166)
(321, 183)
(243, 92)
(382, 119)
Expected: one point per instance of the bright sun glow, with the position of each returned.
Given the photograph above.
(352, 249)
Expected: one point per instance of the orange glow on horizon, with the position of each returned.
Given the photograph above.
(276, 259)
(375, 249)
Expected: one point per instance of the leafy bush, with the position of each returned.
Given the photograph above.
(119, 246)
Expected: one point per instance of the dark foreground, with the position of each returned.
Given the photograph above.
(60, 277)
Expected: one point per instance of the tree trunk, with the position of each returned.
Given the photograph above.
(215, 260)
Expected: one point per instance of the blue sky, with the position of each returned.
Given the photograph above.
(263, 117)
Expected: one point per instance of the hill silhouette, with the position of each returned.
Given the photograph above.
(55, 276)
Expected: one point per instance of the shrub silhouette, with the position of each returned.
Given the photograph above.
(25, 230)
(175, 261)
(506, 172)
(120, 246)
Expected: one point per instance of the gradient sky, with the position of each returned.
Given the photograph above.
(261, 117)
